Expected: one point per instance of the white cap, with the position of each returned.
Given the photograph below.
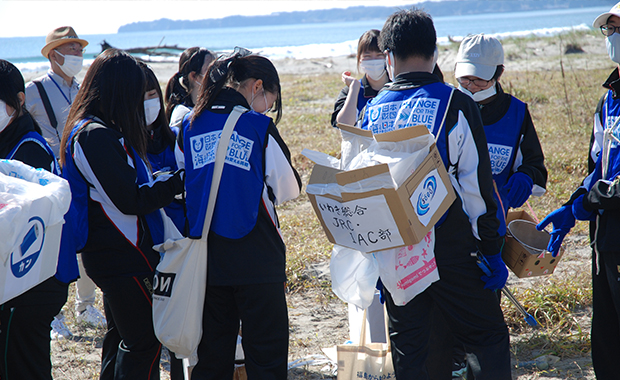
(602, 19)
(479, 56)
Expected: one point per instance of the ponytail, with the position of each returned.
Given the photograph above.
(232, 70)
(178, 87)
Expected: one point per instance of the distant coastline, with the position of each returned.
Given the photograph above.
(359, 13)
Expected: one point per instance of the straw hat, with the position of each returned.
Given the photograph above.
(60, 36)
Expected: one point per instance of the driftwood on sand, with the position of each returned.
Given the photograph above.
(159, 50)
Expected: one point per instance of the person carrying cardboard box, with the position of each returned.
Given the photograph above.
(463, 295)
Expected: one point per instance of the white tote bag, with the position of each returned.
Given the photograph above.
(180, 281)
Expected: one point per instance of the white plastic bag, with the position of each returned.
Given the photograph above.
(354, 141)
(33, 203)
(408, 271)
(179, 288)
(354, 275)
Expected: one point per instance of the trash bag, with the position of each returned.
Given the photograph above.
(33, 203)
(354, 275)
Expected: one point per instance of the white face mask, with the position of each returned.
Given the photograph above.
(151, 110)
(72, 66)
(5, 118)
(374, 68)
(613, 47)
(465, 91)
(390, 69)
(252, 102)
(485, 94)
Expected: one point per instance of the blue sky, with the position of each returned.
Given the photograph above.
(37, 18)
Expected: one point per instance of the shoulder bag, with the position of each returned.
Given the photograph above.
(180, 281)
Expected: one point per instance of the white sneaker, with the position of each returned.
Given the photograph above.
(59, 329)
(91, 316)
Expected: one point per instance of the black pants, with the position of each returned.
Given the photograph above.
(472, 314)
(25, 331)
(130, 349)
(262, 310)
(605, 335)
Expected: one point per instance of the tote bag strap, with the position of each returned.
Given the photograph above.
(220, 156)
(443, 121)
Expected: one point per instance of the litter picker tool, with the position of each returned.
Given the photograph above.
(486, 268)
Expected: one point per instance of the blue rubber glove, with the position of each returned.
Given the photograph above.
(519, 188)
(563, 220)
(499, 273)
(580, 212)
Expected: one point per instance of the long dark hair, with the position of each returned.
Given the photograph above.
(11, 84)
(178, 87)
(113, 90)
(232, 71)
(162, 121)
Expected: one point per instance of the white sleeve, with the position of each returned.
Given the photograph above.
(279, 174)
(179, 156)
(464, 151)
(598, 137)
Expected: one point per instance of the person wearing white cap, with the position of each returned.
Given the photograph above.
(597, 200)
(48, 100)
(517, 160)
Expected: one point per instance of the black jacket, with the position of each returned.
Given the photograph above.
(29, 153)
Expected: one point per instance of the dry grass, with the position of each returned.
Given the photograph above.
(561, 102)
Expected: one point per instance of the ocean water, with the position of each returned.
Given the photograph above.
(307, 40)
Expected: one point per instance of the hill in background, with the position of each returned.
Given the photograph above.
(359, 13)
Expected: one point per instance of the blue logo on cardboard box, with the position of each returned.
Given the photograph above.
(426, 196)
(29, 249)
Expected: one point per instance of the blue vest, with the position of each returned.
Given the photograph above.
(503, 139)
(362, 100)
(38, 139)
(391, 110)
(241, 186)
(80, 193)
(611, 113)
(166, 161)
(66, 268)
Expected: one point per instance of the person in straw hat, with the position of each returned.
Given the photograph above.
(48, 100)
(596, 200)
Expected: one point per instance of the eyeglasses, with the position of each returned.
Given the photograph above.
(609, 29)
(477, 82)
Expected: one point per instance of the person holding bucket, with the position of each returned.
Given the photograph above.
(517, 159)
(596, 200)
(25, 320)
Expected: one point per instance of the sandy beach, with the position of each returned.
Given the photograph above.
(537, 54)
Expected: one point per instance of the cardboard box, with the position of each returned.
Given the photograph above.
(526, 253)
(386, 218)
